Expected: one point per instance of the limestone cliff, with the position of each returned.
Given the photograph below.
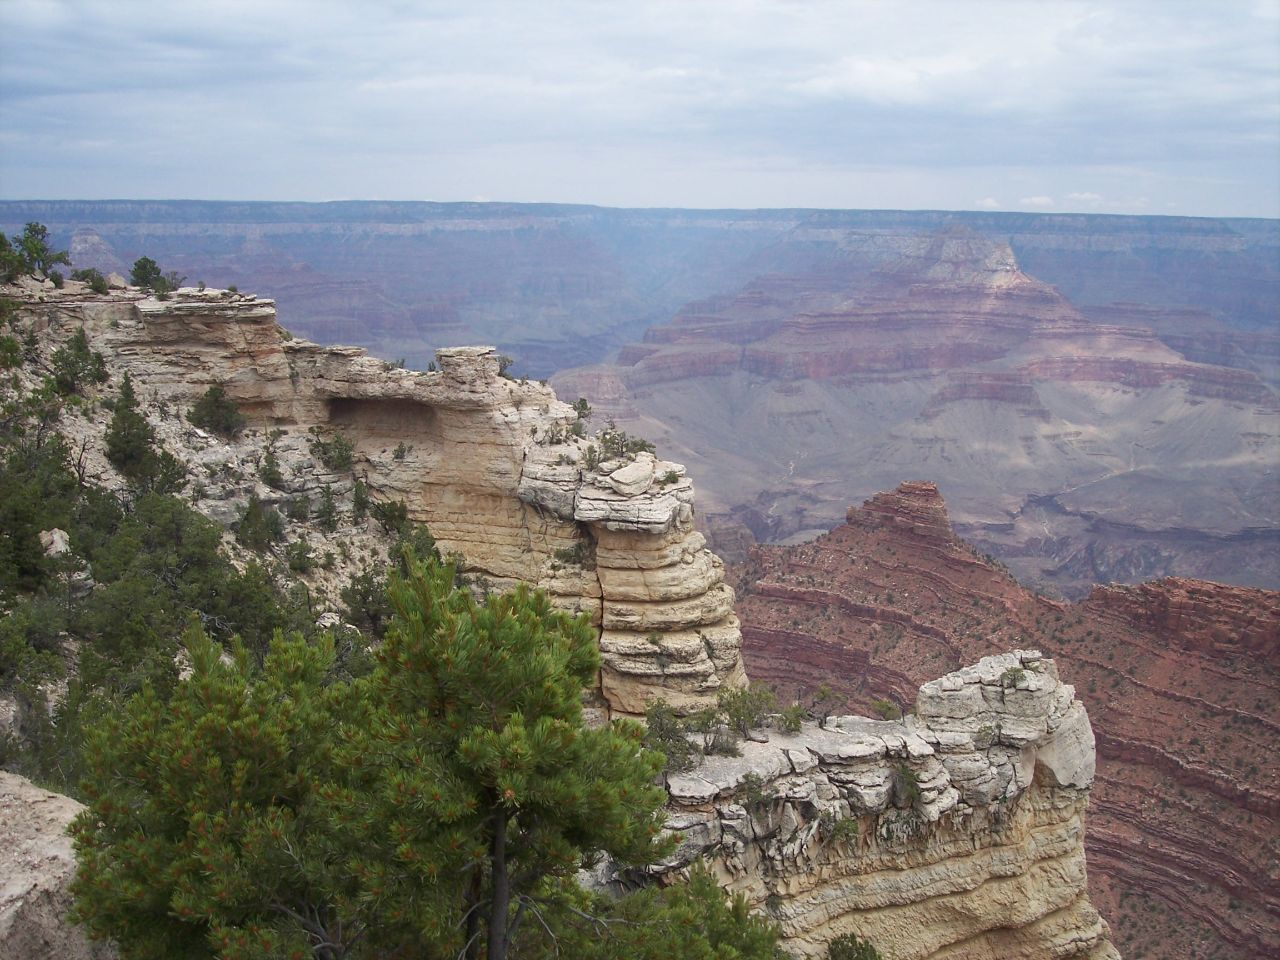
(501, 471)
(957, 832)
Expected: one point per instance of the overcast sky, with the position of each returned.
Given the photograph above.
(1137, 106)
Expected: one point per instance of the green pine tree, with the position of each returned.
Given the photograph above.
(132, 447)
(486, 772)
(423, 810)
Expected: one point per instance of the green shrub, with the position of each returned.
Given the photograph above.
(667, 733)
(327, 514)
(792, 718)
(745, 708)
(392, 515)
(260, 525)
(850, 946)
(359, 501)
(76, 366)
(887, 709)
(906, 785)
(269, 471)
(299, 557)
(217, 413)
(1012, 677)
(94, 278)
(336, 452)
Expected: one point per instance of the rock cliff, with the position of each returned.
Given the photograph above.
(956, 832)
(963, 821)
(36, 866)
(1179, 674)
(502, 473)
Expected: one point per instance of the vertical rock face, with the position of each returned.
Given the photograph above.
(957, 832)
(501, 471)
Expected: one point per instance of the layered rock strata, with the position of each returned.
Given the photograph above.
(1078, 450)
(956, 832)
(502, 473)
(1180, 676)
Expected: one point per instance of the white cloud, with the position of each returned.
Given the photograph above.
(1171, 101)
(1040, 202)
(987, 203)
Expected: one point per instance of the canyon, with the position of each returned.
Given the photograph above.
(1179, 675)
(1077, 448)
(1096, 394)
(963, 825)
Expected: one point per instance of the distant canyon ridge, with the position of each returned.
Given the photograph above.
(1098, 397)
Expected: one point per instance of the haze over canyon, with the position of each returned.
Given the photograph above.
(1095, 395)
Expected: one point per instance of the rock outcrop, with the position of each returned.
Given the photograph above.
(36, 867)
(956, 832)
(1180, 676)
(502, 472)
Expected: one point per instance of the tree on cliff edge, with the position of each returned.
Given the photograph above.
(438, 807)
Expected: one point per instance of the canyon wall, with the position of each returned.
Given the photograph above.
(491, 465)
(1180, 676)
(957, 832)
(1079, 446)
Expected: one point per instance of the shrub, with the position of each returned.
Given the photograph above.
(260, 525)
(75, 365)
(791, 718)
(335, 452)
(887, 709)
(906, 785)
(359, 501)
(667, 733)
(269, 471)
(745, 708)
(94, 278)
(1012, 677)
(850, 946)
(131, 447)
(327, 514)
(217, 413)
(299, 557)
(392, 515)
(752, 791)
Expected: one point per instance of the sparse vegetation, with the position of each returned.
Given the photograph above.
(217, 413)
(335, 451)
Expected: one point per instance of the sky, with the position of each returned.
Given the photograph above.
(1126, 106)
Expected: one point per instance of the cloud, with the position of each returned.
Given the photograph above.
(1172, 100)
(1086, 199)
(1040, 202)
(987, 203)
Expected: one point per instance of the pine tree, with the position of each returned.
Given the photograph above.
(486, 772)
(423, 810)
(131, 447)
(204, 836)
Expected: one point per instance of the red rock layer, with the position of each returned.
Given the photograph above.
(1181, 678)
